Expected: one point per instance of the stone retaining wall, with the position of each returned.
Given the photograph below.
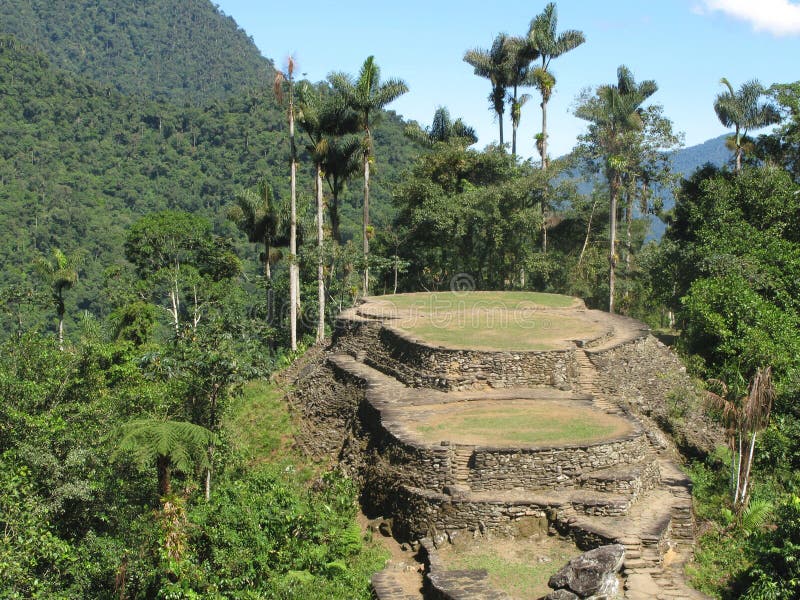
(538, 468)
(422, 512)
(418, 364)
(465, 369)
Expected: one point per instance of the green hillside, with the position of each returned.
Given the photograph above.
(157, 48)
(79, 162)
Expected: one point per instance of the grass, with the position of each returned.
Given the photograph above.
(258, 422)
(497, 422)
(486, 320)
(472, 300)
(498, 330)
(520, 568)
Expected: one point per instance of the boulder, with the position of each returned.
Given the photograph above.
(561, 595)
(593, 573)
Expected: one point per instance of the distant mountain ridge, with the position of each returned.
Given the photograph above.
(685, 162)
(184, 50)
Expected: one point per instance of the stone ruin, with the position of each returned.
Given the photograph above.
(358, 401)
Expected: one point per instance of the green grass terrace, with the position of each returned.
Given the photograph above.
(501, 321)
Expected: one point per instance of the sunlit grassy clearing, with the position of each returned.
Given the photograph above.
(500, 422)
(520, 568)
(470, 300)
(498, 330)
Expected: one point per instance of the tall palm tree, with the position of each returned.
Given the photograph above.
(342, 161)
(367, 95)
(294, 271)
(256, 215)
(322, 116)
(543, 38)
(614, 113)
(494, 65)
(522, 54)
(60, 273)
(744, 110)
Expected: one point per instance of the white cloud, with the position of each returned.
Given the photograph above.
(778, 17)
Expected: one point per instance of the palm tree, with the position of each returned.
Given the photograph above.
(442, 130)
(743, 110)
(294, 272)
(256, 215)
(614, 113)
(342, 161)
(170, 445)
(60, 273)
(322, 117)
(549, 45)
(367, 95)
(522, 54)
(494, 65)
(743, 418)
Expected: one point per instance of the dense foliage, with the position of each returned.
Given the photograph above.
(80, 515)
(186, 51)
(80, 163)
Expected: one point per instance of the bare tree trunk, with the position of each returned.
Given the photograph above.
(366, 223)
(544, 134)
(743, 497)
(293, 274)
(588, 231)
(612, 256)
(61, 333)
(320, 264)
(500, 120)
(333, 209)
(164, 483)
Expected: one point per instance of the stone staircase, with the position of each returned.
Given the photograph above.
(588, 382)
(461, 459)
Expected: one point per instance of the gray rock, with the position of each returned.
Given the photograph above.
(561, 595)
(591, 573)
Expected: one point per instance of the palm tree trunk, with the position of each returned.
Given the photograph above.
(293, 275)
(612, 256)
(333, 212)
(544, 134)
(743, 498)
(513, 139)
(366, 223)
(396, 259)
(514, 124)
(500, 120)
(320, 265)
(588, 231)
(61, 332)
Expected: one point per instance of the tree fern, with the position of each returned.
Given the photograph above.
(170, 445)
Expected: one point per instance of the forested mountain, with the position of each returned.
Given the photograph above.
(184, 50)
(80, 162)
(687, 160)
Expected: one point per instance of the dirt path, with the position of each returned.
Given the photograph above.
(403, 572)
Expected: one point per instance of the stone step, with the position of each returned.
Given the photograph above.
(631, 479)
(602, 504)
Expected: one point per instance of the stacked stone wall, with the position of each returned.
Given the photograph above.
(421, 512)
(537, 468)
(417, 364)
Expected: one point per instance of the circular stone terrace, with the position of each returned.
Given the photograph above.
(491, 321)
(515, 422)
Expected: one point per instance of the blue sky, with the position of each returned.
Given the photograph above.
(685, 45)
